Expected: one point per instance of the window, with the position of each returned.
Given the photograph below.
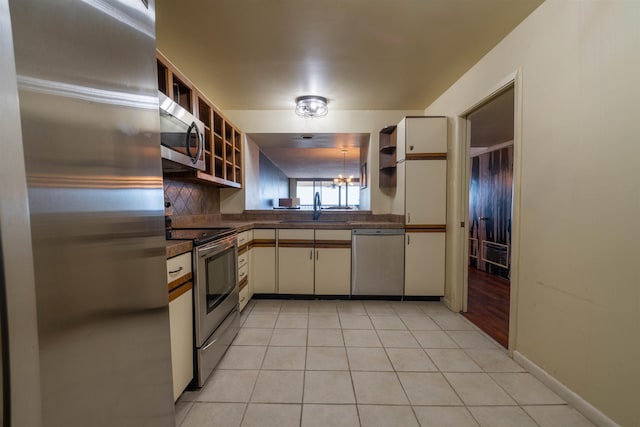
(331, 195)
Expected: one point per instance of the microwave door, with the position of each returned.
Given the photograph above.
(183, 142)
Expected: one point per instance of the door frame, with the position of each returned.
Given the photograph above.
(464, 143)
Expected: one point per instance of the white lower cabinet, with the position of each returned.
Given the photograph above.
(295, 271)
(333, 271)
(332, 262)
(180, 321)
(244, 297)
(308, 261)
(245, 240)
(263, 261)
(181, 326)
(295, 261)
(424, 264)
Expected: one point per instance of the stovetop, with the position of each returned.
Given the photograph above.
(200, 236)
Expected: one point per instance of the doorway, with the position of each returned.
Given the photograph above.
(491, 137)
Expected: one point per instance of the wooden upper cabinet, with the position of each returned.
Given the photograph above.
(222, 139)
(425, 135)
(175, 85)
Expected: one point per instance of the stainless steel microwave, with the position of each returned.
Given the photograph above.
(181, 137)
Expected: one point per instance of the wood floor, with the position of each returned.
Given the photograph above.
(488, 306)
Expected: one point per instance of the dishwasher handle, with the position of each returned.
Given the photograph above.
(377, 232)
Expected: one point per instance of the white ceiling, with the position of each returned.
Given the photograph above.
(360, 54)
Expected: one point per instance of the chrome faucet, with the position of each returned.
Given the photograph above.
(316, 206)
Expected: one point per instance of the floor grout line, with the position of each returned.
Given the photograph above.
(371, 312)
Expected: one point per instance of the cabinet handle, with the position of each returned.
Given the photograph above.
(242, 299)
(242, 274)
(311, 254)
(408, 239)
(408, 218)
(411, 148)
(317, 254)
(176, 271)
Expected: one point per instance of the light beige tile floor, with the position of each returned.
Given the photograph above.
(368, 364)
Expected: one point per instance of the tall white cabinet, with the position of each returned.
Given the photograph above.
(422, 196)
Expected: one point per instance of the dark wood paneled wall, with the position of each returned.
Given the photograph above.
(490, 204)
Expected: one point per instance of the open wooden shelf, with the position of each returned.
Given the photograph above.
(387, 157)
(222, 149)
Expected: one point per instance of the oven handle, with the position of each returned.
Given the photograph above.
(209, 344)
(216, 247)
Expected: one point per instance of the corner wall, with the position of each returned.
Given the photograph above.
(578, 304)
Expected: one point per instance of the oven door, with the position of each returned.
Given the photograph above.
(216, 285)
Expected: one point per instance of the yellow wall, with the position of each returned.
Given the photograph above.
(578, 307)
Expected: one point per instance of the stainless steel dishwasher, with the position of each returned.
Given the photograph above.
(377, 262)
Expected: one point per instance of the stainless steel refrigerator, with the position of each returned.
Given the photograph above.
(92, 217)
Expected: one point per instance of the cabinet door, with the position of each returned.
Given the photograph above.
(426, 192)
(263, 271)
(295, 261)
(181, 330)
(424, 264)
(426, 135)
(333, 271)
(295, 270)
(263, 262)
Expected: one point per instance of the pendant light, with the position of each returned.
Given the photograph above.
(342, 179)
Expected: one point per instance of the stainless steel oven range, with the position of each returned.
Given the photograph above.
(216, 315)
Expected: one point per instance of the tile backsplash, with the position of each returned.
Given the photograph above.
(188, 198)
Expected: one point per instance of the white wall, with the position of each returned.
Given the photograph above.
(281, 121)
(578, 303)
(248, 197)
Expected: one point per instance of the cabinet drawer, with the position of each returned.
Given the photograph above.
(333, 235)
(295, 234)
(245, 237)
(244, 297)
(243, 260)
(264, 234)
(178, 267)
(243, 272)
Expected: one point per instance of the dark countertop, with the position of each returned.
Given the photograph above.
(329, 222)
(178, 247)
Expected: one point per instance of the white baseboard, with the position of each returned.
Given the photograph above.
(572, 398)
(446, 302)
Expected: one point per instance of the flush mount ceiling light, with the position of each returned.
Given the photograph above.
(311, 106)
